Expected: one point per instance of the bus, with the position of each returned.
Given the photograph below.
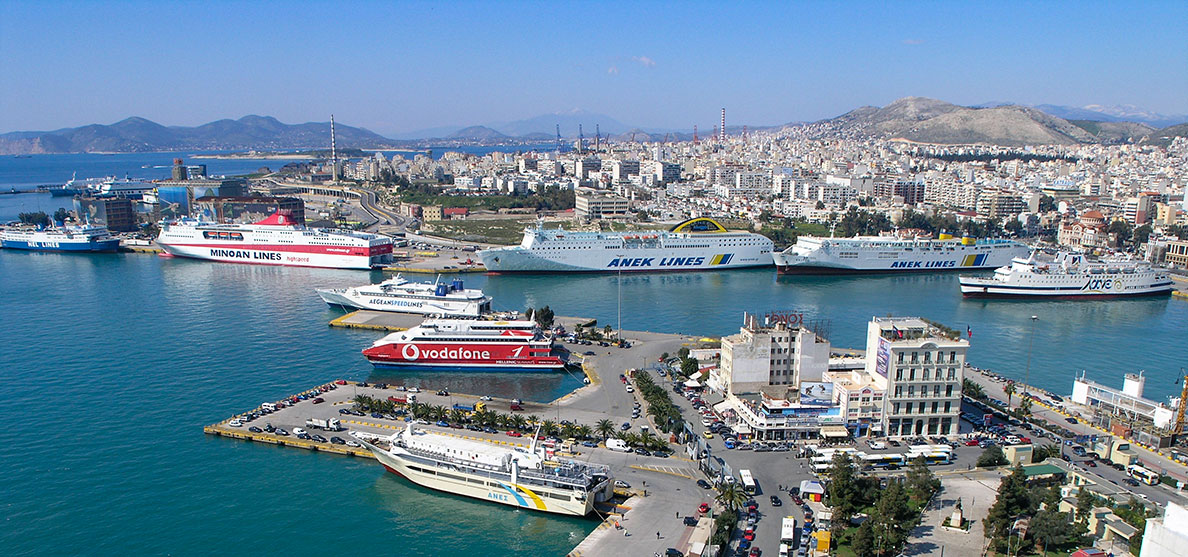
(932, 457)
(1143, 474)
(788, 530)
(819, 468)
(930, 449)
(748, 482)
(882, 460)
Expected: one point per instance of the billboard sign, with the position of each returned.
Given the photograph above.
(814, 393)
(883, 357)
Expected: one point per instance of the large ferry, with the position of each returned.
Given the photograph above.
(694, 245)
(276, 240)
(1070, 276)
(890, 254)
(65, 238)
(401, 295)
(527, 478)
(467, 344)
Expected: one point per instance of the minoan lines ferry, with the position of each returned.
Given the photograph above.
(72, 238)
(467, 344)
(1071, 276)
(875, 254)
(529, 478)
(276, 240)
(694, 245)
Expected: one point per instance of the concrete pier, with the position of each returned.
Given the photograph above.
(660, 492)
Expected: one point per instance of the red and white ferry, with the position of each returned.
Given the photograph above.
(467, 343)
(276, 240)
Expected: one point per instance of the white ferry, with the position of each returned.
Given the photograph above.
(276, 240)
(694, 245)
(401, 295)
(890, 254)
(65, 238)
(1071, 276)
(529, 478)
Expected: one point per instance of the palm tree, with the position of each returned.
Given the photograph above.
(418, 410)
(533, 419)
(604, 428)
(731, 496)
(568, 430)
(548, 427)
(650, 441)
(482, 417)
(1009, 389)
(457, 416)
(518, 421)
(630, 437)
(584, 431)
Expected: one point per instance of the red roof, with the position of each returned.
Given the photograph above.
(278, 219)
(455, 211)
(1093, 215)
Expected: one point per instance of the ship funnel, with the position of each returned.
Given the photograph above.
(456, 284)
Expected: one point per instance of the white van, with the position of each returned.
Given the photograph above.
(784, 550)
(617, 445)
(268, 406)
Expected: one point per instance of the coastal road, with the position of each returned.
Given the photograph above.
(1159, 494)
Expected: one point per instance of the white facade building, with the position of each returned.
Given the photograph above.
(920, 369)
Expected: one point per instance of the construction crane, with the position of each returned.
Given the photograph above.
(1178, 425)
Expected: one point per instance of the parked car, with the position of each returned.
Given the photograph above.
(622, 484)
(704, 484)
(775, 501)
(513, 433)
(703, 508)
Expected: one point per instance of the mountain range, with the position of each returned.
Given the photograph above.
(1101, 113)
(927, 120)
(140, 135)
(916, 119)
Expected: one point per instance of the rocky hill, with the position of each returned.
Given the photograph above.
(927, 120)
(140, 135)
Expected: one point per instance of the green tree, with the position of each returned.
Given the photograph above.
(683, 352)
(1121, 230)
(1049, 528)
(842, 488)
(1009, 389)
(1013, 501)
(1047, 203)
(61, 215)
(891, 520)
(689, 366)
(1141, 234)
(992, 456)
(921, 482)
(37, 219)
(971, 389)
(544, 316)
(1085, 503)
(863, 542)
(1024, 407)
(604, 428)
(730, 495)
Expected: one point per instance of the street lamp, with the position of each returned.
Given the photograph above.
(1030, 341)
(619, 283)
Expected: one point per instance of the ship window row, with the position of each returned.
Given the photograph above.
(513, 340)
(209, 235)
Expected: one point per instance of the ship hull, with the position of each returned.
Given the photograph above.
(271, 255)
(638, 260)
(489, 489)
(346, 299)
(475, 356)
(984, 289)
(957, 258)
(111, 245)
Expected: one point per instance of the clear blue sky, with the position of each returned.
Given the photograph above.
(401, 66)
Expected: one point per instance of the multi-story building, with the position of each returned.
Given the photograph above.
(1176, 254)
(589, 206)
(919, 367)
(859, 399)
(621, 171)
(115, 213)
(770, 355)
(911, 192)
(999, 204)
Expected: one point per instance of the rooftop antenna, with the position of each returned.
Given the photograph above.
(597, 137)
(333, 152)
(581, 140)
(558, 138)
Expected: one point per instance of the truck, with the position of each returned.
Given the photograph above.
(476, 407)
(618, 445)
(330, 424)
(398, 399)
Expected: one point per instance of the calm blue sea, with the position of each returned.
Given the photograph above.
(111, 364)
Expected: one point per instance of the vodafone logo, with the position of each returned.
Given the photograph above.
(411, 352)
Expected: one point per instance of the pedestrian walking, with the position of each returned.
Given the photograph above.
(657, 535)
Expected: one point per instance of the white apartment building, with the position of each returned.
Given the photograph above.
(769, 355)
(920, 370)
(589, 206)
(621, 171)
